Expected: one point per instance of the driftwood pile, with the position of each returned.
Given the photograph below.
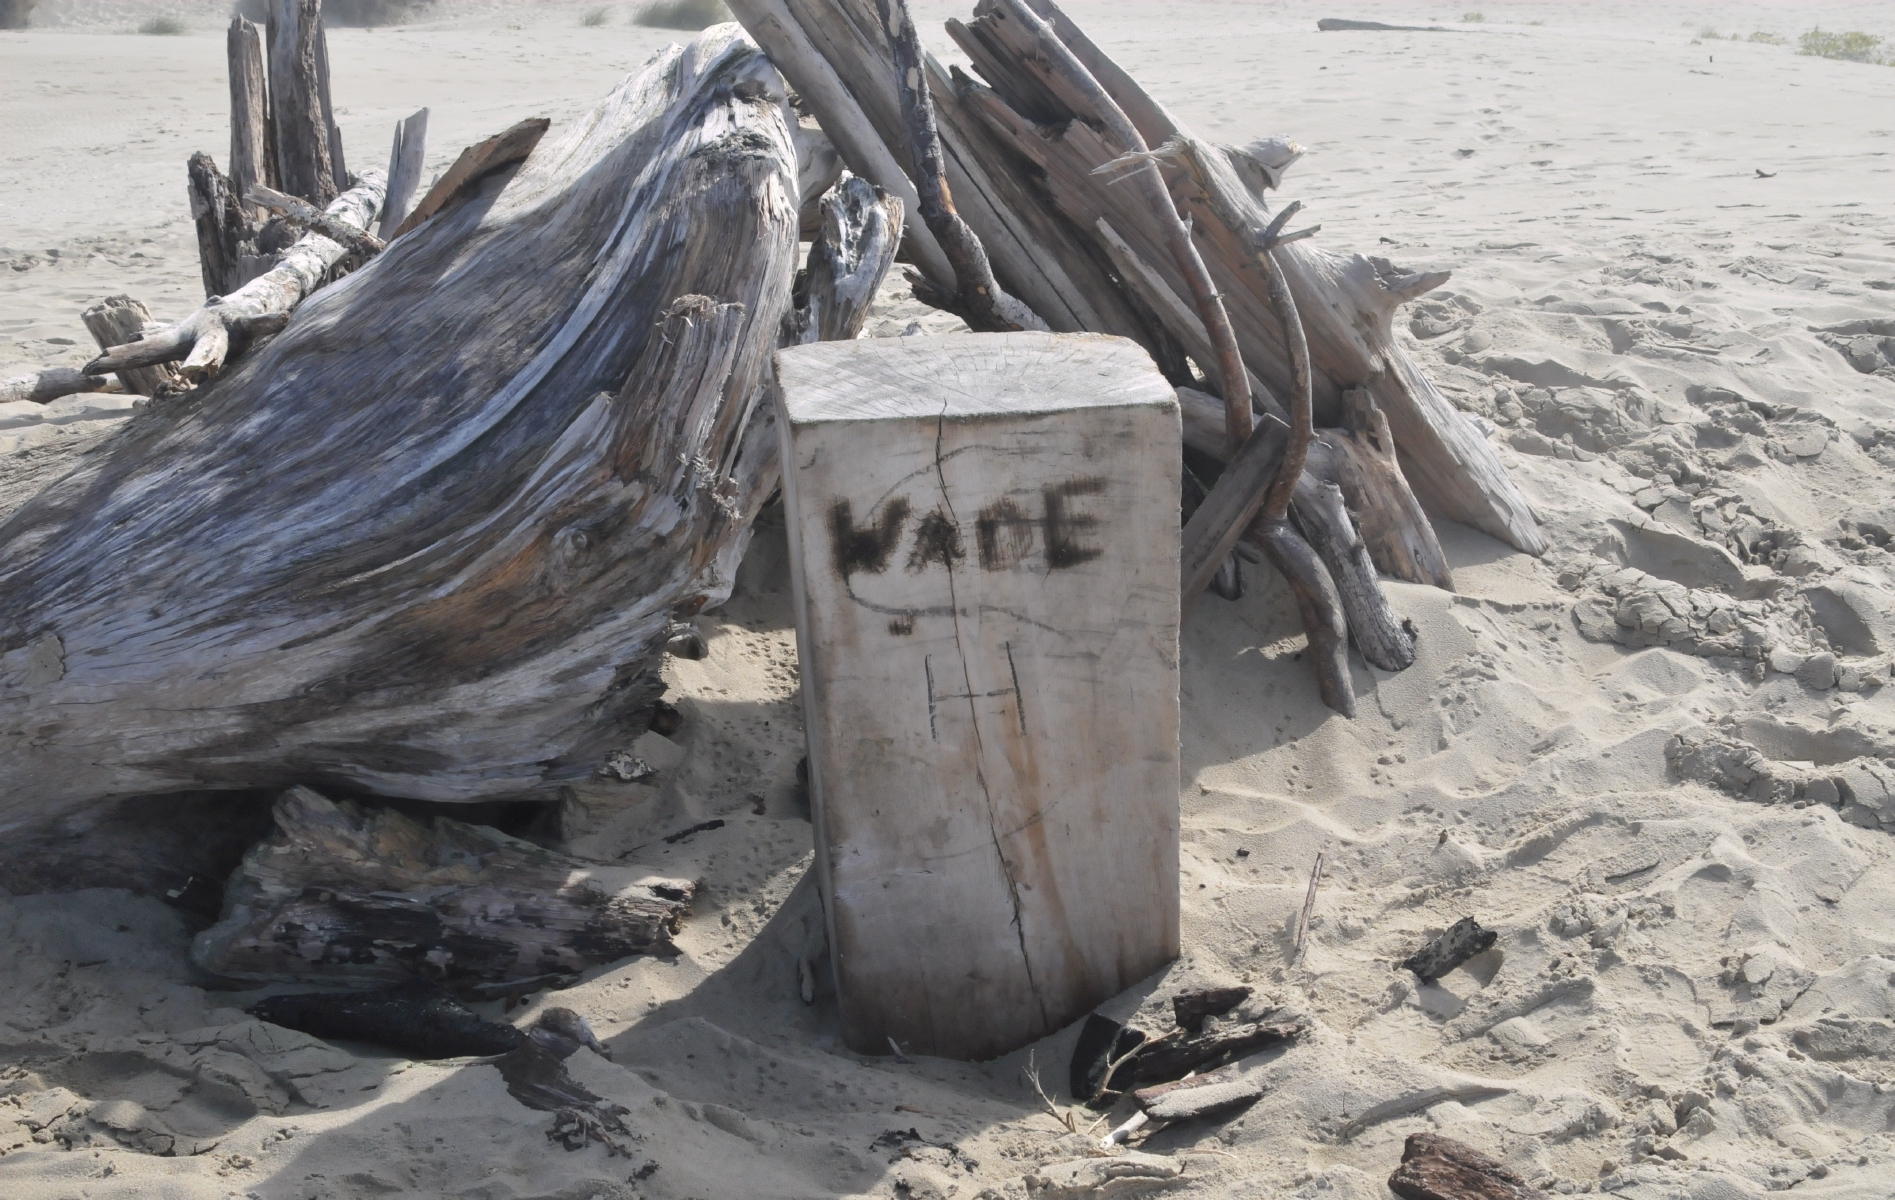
(426, 488)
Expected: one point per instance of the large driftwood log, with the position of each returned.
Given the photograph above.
(208, 337)
(1347, 301)
(430, 540)
(340, 894)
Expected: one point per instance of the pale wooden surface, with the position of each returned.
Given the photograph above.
(985, 541)
(252, 157)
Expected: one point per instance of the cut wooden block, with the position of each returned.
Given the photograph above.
(984, 539)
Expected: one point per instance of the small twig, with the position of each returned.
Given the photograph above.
(1309, 908)
(899, 1056)
(1132, 1125)
(1032, 1071)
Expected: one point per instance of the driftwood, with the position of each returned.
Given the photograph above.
(1439, 1168)
(225, 243)
(476, 163)
(252, 141)
(854, 247)
(339, 894)
(405, 161)
(303, 213)
(308, 145)
(42, 387)
(437, 531)
(205, 339)
(114, 321)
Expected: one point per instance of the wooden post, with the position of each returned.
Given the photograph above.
(984, 545)
(305, 162)
(223, 230)
(405, 160)
(252, 152)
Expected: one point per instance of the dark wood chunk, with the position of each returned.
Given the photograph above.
(1190, 1008)
(1463, 940)
(1440, 1168)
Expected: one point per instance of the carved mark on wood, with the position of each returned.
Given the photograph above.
(935, 698)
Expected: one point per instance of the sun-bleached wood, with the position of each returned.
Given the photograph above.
(207, 338)
(252, 149)
(342, 894)
(484, 158)
(437, 531)
(984, 550)
(119, 319)
(43, 387)
(1347, 302)
(405, 160)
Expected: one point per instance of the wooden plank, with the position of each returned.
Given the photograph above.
(478, 161)
(405, 160)
(984, 546)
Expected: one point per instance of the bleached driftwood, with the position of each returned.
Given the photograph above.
(119, 319)
(303, 213)
(435, 533)
(405, 160)
(342, 894)
(42, 387)
(851, 255)
(1347, 301)
(205, 339)
(982, 537)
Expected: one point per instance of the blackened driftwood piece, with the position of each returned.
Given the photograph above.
(1347, 301)
(502, 150)
(418, 1018)
(1189, 1009)
(1439, 1168)
(405, 161)
(114, 321)
(437, 531)
(976, 297)
(1462, 941)
(300, 113)
(207, 338)
(1161, 1060)
(43, 387)
(342, 894)
(252, 144)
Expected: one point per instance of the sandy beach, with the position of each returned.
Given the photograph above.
(1659, 760)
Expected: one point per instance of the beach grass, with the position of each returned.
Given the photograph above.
(596, 17)
(1851, 46)
(163, 27)
(682, 14)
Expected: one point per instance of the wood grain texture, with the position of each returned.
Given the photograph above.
(223, 226)
(299, 108)
(119, 319)
(342, 894)
(405, 161)
(252, 146)
(983, 540)
(429, 540)
(42, 387)
(502, 150)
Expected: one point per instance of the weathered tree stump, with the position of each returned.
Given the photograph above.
(984, 545)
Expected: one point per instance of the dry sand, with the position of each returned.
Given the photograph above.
(1624, 756)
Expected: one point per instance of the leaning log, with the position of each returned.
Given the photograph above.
(434, 535)
(342, 894)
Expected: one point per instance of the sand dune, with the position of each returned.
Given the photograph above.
(1660, 761)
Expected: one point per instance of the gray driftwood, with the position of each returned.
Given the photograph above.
(224, 240)
(208, 337)
(307, 142)
(114, 321)
(431, 539)
(476, 163)
(252, 144)
(342, 894)
(405, 161)
(42, 387)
